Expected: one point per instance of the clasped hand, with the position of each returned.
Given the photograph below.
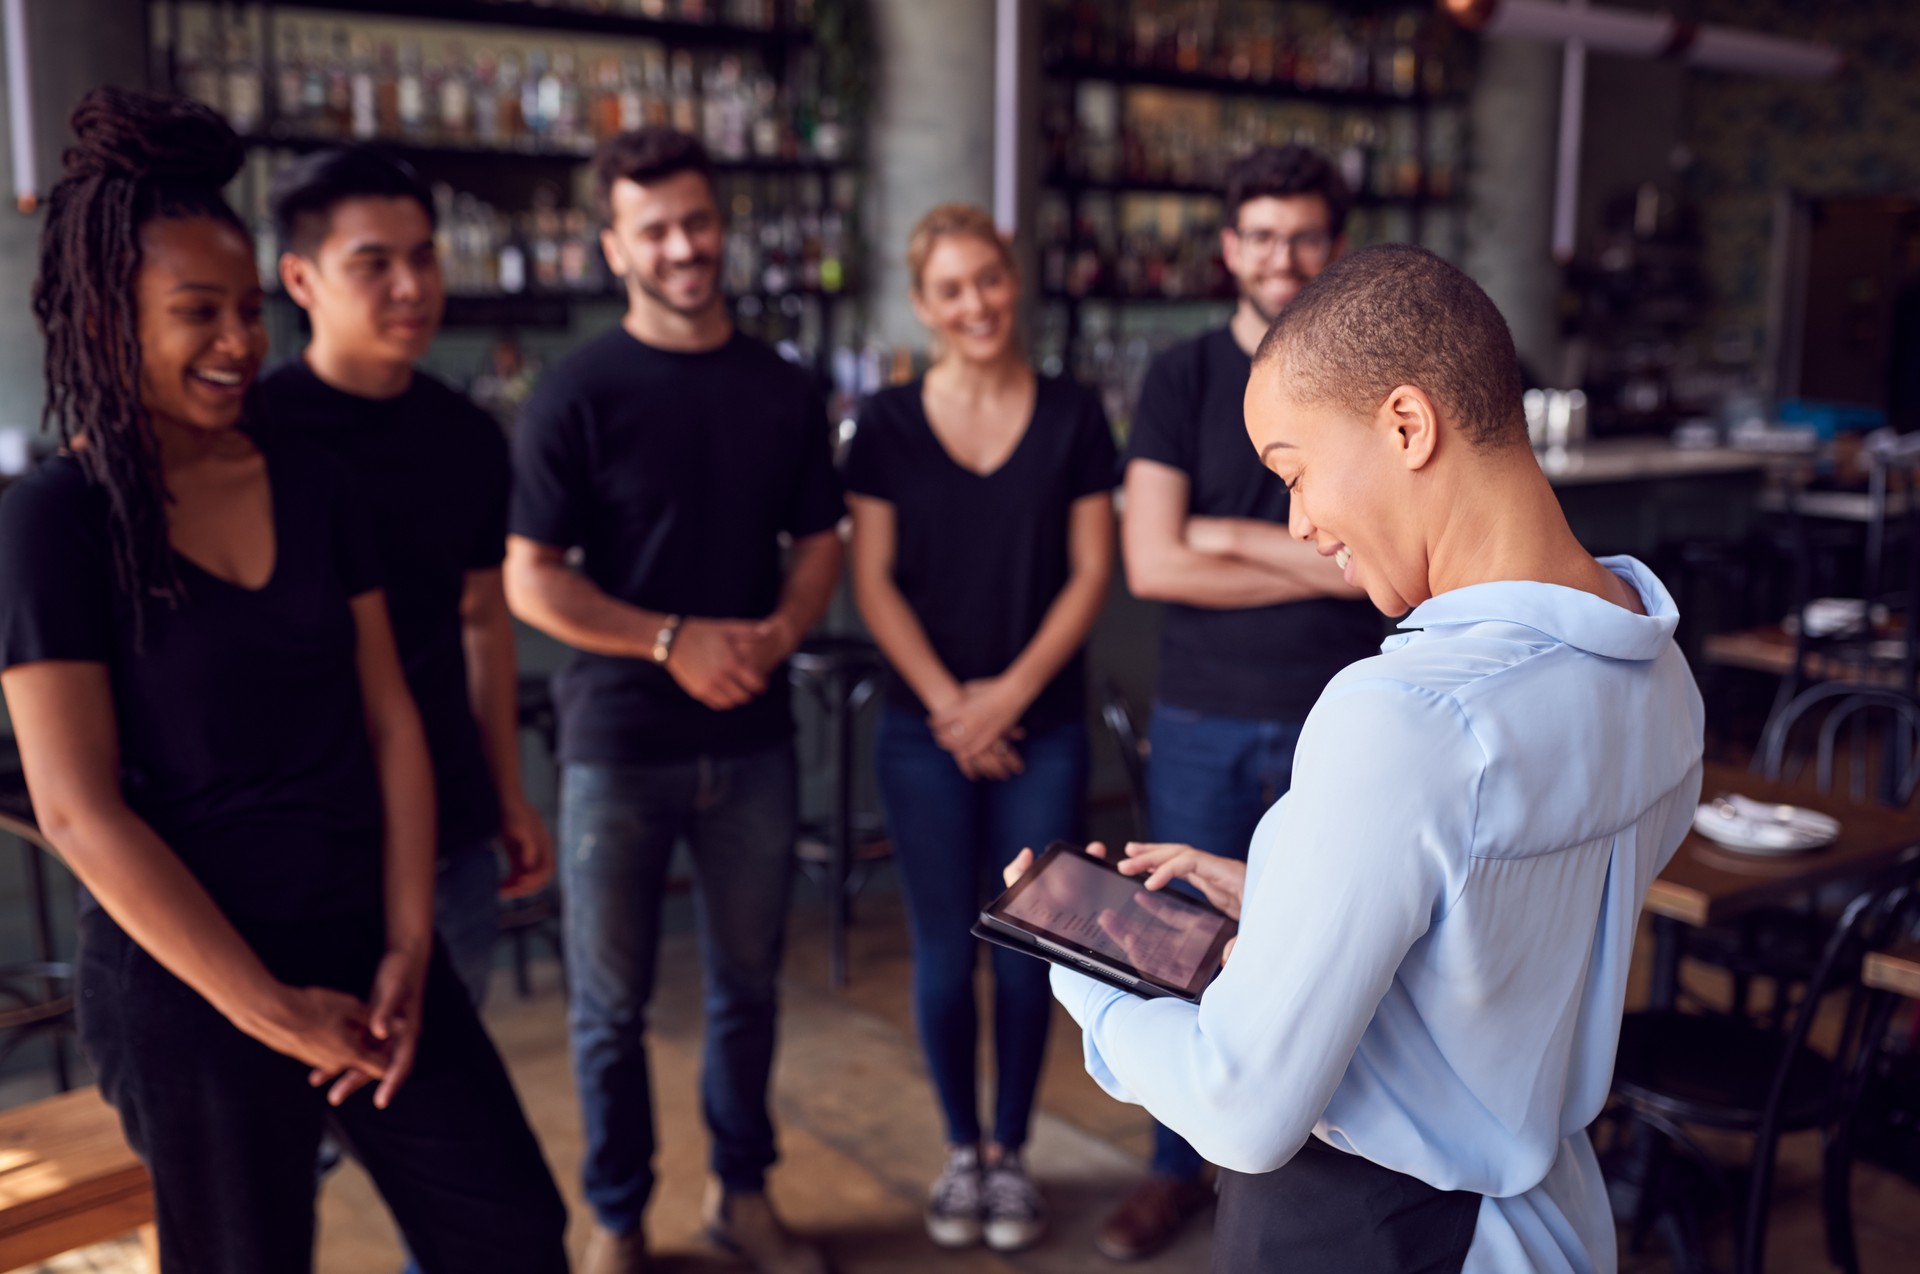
(725, 663)
(979, 727)
(348, 1044)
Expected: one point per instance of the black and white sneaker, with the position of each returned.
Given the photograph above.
(953, 1204)
(1016, 1215)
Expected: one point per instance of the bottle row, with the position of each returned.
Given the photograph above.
(1153, 136)
(1316, 46)
(332, 81)
(757, 14)
(1168, 247)
(779, 240)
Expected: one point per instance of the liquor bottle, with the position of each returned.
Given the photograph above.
(546, 244)
(456, 97)
(574, 238)
(560, 94)
(200, 72)
(412, 94)
(364, 111)
(632, 100)
(513, 119)
(313, 83)
(512, 271)
(287, 103)
(386, 92)
(244, 97)
(605, 110)
(686, 94)
(532, 99)
(339, 88)
(486, 98)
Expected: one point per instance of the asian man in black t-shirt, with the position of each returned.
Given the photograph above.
(357, 254)
(677, 457)
(1256, 622)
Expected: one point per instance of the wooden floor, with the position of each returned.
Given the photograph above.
(861, 1138)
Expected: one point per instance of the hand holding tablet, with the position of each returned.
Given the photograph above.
(1078, 909)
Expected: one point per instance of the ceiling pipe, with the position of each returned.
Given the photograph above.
(1649, 35)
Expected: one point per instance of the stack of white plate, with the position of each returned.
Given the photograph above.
(1757, 827)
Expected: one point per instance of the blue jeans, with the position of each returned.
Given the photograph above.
(618, 828)
(466, 913)
(1209, 782)
(951, 837)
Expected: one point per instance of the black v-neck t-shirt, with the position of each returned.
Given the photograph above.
(432, 470)
(675, 475)
(1266, 663)
(981, 557)
(242, 739)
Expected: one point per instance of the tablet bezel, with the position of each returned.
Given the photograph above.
(995, 914)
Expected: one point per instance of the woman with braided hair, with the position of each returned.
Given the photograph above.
(217, 738)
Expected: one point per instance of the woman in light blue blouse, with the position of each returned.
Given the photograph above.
(1398, 1064)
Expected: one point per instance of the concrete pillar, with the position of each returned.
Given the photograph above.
(75, 45)
(930, 138)
(1515, 111)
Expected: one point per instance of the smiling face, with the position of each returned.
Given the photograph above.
(666, 240)
(1354, 481)
(201, 338)
(1276, 246)
(968, 295)
(372, 286)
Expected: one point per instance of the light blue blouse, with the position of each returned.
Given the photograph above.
(1439, 916)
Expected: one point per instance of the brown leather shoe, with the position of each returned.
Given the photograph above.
(610, 1253)
(1149, 1218)
(746, 1225)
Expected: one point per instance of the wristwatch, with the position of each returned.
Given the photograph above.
(663, 641)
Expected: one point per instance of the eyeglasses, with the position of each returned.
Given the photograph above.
(1302, 245)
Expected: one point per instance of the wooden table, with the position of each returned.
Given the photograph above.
(1706, 884)
(1896, 970)
(67, 1179)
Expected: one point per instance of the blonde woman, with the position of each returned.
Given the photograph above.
(982, 550)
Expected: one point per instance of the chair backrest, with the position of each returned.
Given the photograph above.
(1117, 712)
(1822, 710)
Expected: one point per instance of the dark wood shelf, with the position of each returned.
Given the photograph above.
(428, 153)
(1201, 82)
(1209, 190)
(520, 13)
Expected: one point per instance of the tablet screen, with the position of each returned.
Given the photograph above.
(1081, 902)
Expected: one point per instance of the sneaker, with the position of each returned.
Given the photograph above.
(953, 1204)
(746, 1225)
(1150, 1218)
(1016, 1215)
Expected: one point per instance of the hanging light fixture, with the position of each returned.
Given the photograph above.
(1648, 35)
(26, 169)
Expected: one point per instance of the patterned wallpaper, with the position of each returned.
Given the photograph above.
(1753, 136)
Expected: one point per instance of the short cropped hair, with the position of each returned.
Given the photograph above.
(952, 220)
(306, 192)
(1287, 172)
(1393, 315)
(646, 155)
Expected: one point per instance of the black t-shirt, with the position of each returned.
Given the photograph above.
(675, 475)
(1266, 663)
(242, 740)
(432, 470)
(981, 558)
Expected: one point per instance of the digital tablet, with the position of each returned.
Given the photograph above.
(1080, 911)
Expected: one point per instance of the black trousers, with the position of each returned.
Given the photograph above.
(230, 1129)
(1328, 1210)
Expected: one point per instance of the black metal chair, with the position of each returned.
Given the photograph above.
(1781, 946)
(36, 996)
(1117, 712)
(842, 674)
(1677, 1070)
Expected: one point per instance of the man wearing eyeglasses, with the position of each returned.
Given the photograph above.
(1256, 622)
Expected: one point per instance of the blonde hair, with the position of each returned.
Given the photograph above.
(950, 220)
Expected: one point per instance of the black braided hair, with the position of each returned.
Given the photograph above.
(139, 158)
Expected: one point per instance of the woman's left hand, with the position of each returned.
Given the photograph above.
(399, 987)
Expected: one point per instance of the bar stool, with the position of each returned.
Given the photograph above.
(522, 920)
(36, 996)
(842, 674)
